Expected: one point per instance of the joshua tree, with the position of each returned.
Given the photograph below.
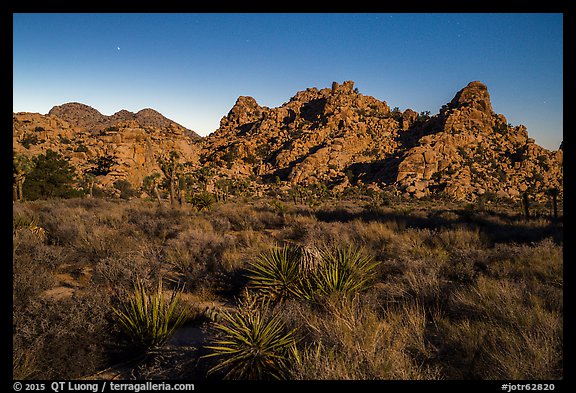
(21, 167)
(150, 185)
(526, 205)
(90, 179)
(171, 169)
(553, 192)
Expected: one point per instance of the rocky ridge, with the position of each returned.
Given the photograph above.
(82, 134)
(339, 136)
(335, 136)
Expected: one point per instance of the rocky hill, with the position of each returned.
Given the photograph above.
(335, 136)
(134, 141)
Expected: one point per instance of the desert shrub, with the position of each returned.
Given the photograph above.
(20, 222)
(149, 318)
(64, 339)
(118, 272)
(125, 188)
(252, 343)
(156, 222)
(32, 268)
(292, 271)
(247, 217)
(503, 332)
(279, 207)
(195, 256)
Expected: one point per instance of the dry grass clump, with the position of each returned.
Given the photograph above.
(503, 331)
(353, 338)
(249, 216)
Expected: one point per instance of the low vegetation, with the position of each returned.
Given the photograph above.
(261, 289)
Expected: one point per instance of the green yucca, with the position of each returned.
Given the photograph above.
(253, 343)
(343, 270)
(31, 224)
(203, 201)
(149, 318)
(277, 274)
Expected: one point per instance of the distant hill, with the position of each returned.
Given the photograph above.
(335, 136)
(82, 134)
(85, 116)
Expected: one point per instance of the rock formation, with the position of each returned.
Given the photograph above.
(335, 136)
(82, 134)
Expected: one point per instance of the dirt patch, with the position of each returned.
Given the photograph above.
(58, 293)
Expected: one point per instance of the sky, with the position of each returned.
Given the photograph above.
(193, 67)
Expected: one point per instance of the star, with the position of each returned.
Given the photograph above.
(118, 48)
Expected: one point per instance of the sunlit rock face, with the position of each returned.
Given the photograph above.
(335, 136)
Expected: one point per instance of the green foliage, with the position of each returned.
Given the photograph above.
(39, 129)
(148, 318)
(20, 222)
(150, 182)
(395, 113)
(113, 128)
(281, 273)
(253, 344)
(423, 117)
(125, 188)
(172, 170)
(52, 177)
(277, 274)
(31, 139)
(21, 164)
(236, 187)
(344, 270)
(102, 165)
(203, 201)
(279, 207)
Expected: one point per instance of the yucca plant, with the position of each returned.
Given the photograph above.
(344, 269)
(278, 274)
(252, 343)
(31, 224)
(203, 201)
(149, 318)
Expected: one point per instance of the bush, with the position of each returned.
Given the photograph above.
(305, 274)
(125, 188)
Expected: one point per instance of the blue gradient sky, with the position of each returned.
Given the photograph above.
(192, 67)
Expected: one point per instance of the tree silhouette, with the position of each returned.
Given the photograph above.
(21, 167)
(171, 169)
(52, 176)
(150, 185)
